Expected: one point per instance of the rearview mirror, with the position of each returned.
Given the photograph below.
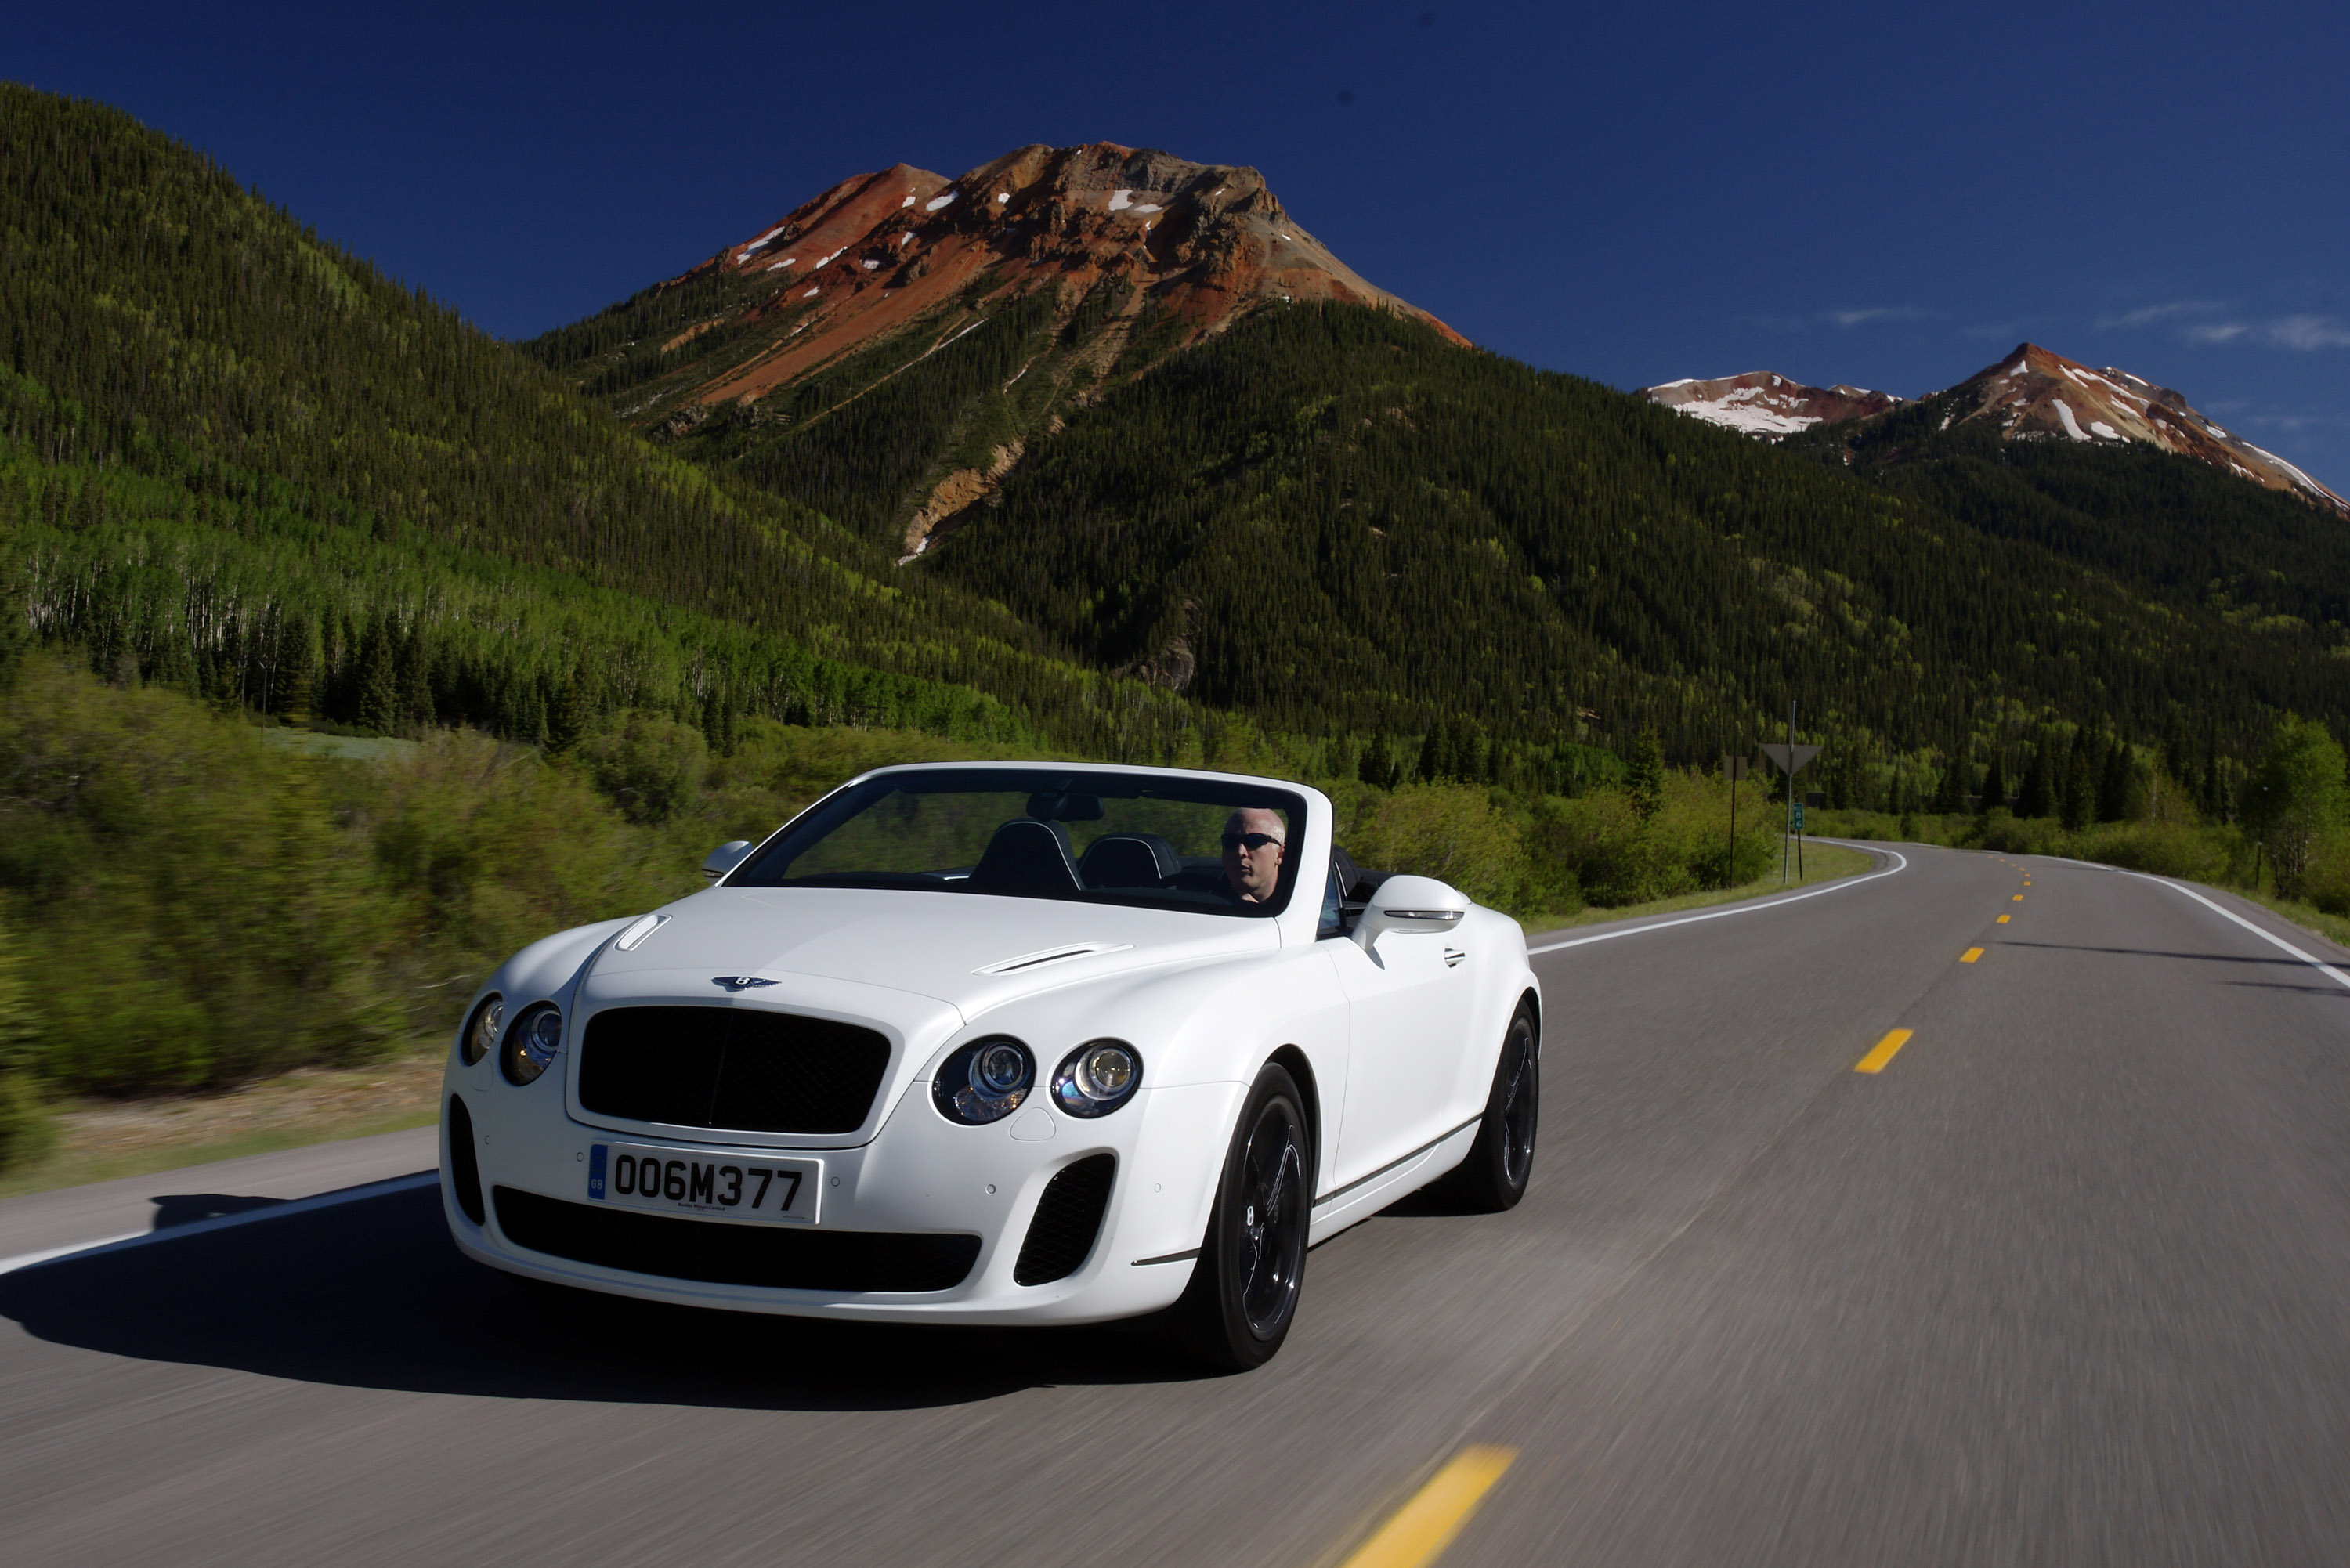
(725, 857)
(1411, 904)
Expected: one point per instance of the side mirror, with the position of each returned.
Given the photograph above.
(726, 857)
(1411, 904)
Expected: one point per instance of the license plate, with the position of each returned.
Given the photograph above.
(722, 1185)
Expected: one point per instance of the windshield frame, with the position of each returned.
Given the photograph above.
(804, 832)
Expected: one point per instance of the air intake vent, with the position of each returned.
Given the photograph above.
(464, 1164)
(780, 1257)
(1068, 1217)
(740, 1068)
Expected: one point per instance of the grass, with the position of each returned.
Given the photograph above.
(101, 1140)
(1822, 863)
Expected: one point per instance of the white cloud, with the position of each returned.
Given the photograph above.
(2304, 333)
(2148, 314)
(1863, 317)
(2307, 332)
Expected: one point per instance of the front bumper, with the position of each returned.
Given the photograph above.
(921, 1174)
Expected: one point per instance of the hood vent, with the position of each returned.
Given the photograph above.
(1050, 955)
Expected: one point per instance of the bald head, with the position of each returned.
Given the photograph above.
(1253, 849)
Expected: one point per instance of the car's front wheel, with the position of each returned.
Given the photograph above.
(1502, 1160)
(1243, 1292)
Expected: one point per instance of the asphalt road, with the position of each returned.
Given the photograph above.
(2066, 1283)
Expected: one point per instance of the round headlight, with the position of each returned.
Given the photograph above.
(481, 1030)
(985, 1081)
(532, 1044)
(1096, 1078)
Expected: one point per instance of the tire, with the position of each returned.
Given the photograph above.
(1494, 1176)
(1243, 1296)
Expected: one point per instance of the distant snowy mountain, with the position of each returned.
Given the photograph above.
(2032, 394)
(1761, 403)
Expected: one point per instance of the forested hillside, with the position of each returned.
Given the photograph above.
(1334, 518)
(238, 458)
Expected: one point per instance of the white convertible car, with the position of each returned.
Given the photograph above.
(998, 1042)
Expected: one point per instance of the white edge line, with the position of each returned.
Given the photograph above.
(1901, 864)
(2311, 960)
(223, 1221)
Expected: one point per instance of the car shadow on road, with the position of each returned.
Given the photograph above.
(372, 1294)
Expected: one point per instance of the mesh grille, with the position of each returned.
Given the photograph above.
(796, 1258)
(734, 1067)
(1069, 1216)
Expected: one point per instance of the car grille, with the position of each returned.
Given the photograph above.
(794, 1258)
(740, 1068)
(1069, 1216)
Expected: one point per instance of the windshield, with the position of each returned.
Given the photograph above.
(1215, 847)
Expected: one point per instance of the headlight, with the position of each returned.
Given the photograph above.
(1096, 1078)
(532, 1044)
(985, 1081)
(481, 1030)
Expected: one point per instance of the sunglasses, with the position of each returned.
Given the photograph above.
(1249, 840)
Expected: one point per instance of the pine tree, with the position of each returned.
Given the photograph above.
(1646, 784)
(1995, 784)
(2079, 807)
(2114, 785)
(2036, 796)
(379, 681)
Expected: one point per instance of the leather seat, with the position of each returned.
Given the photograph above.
(1130, 860)
(1027, 857)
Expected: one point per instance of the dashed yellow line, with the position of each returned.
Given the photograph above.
(2004, 919)
(1418, 1533)
(1875, 1060)
(2019, 898)
(1970, 955)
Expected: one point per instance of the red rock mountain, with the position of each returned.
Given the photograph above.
(2035, 393)
(1762, 403)
(2032, 394)
(1204, 243)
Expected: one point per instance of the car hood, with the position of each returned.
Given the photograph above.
(972, 951)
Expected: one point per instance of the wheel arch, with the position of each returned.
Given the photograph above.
(1293, 1061)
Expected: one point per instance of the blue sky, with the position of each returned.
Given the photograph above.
(1889, 194)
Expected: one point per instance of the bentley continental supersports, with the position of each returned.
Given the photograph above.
(998, 1042)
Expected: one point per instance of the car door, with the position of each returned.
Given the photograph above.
(1407, 1002)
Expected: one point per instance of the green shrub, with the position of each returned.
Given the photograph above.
(650, 764)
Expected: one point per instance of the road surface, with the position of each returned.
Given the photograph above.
(2066, 1281)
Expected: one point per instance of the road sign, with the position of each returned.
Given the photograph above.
(1735, 768)
(1801, 757)
(1799, 816)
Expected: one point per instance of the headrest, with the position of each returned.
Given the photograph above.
(1130, 860)
(1026, 857)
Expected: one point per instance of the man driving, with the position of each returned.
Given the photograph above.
(1253, 846)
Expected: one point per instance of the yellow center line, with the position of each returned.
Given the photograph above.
(1970, 955)
(1875, 1060)
(2019, 898)
(2004, 919)
(1418, 1533)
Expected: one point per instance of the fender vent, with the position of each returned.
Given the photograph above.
(1068, 1217)
(464, 1165)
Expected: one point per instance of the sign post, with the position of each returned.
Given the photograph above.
(1790, 759)
(1735, 770)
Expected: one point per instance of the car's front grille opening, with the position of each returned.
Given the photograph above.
(1069, 1216)
(464, 1163)
(780, 1257)
(742, 1068)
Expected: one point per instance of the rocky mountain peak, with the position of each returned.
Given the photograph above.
(1767, 405)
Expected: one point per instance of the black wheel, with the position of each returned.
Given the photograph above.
(1493, 1176)
(1243, 1292)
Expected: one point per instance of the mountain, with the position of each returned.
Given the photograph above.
(1340, 520)
(2032, 394)
(2036, 394)
(982, 309)
(1765, 404)
(236, 458)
